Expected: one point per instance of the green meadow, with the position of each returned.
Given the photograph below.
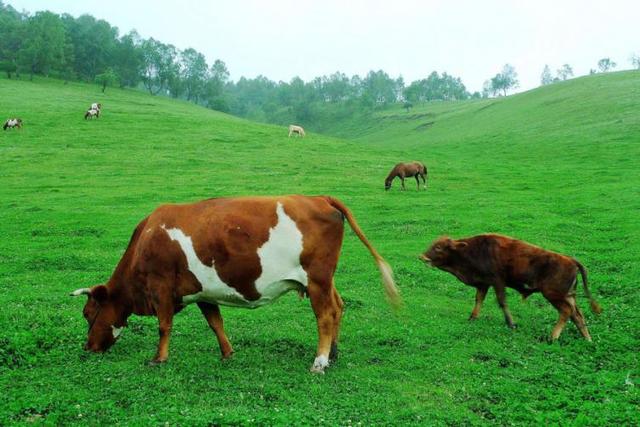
(558, 166)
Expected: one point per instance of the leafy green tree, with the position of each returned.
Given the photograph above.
(128, 59)
(159, 66)
(43, 49)
(108, 78)
(194, 73)
(635, 61)
(546, 77)
(94, 44)
(606, 65)
(12, 26)
(565, 72)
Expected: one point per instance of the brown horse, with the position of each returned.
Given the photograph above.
(407, 170)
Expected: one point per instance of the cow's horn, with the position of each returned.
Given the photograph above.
(81, 291)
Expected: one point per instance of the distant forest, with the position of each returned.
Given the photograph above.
(90, 50)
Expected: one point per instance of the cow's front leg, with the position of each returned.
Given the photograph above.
(402, 186)
(163, 305)
(211, 312)
(481, 293)
(502, 302)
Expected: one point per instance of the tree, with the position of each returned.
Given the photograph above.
(43, 48)
(128, 59)
(546, 77)
(159, 66)
(635, 61)
(606, 64)
(194, 73)
(12, 26)
(565, 72)
(108, 78)
(504, 81)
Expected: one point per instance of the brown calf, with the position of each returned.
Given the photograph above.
(407, 170)
(242, 252)
(492, 260)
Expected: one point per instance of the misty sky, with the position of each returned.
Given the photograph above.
(469, 39)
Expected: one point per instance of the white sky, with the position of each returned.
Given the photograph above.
(469, 39)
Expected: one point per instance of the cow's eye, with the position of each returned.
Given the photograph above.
(438, 249)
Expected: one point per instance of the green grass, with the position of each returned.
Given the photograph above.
(557, 166)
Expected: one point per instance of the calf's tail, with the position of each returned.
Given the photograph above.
(390, 289)
(595, 307)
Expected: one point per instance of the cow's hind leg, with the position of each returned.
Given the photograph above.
(328, 312)
(162, 300)
(417, 177)
(333, 354)
(565, 311)
(211, 312)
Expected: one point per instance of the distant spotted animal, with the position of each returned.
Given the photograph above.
(96, 106)
(296, 129)
(12, 123)
(91, 113)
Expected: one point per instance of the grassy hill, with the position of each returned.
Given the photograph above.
(557, 166)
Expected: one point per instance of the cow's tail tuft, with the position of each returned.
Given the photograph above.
(595, 307)
(386, 273)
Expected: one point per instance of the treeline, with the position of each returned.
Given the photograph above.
(91, 50)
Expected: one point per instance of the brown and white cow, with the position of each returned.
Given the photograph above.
(242, 252)
(492, 260)
(96, 106)
(12, 123)
(407, 170)
(298, 130)
(91, 113)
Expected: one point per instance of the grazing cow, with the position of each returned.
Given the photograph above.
(407, 170)
(298, 130)
(492, 260)
(242, 252)
(96, 106)
(91, 113)
(12, 123)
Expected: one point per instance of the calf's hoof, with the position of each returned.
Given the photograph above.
(227, 356)
(333, 354)
(513, 326)
(472, 318)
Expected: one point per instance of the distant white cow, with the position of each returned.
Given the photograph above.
(296, 129)
(96, 106)
(91, 113)
(12, 123)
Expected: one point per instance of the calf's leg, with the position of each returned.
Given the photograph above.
(577, 317)
(481, 293)
(418, 181)
(333, 354)
(211, 312)
(565, 311)
(502, 302)
(325, 307)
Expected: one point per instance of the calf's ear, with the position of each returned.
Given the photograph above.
(100, 293)
(460, 245)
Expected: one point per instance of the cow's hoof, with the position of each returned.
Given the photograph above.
(319, 364)
(156, 362)
(513, 326)
(227, 356)
(472, 318)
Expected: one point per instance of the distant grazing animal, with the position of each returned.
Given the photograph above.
(91, 113)
(242, 252)
(296, 129)
(96, 106)
(492, 260)
(407, 170)
(12, 123)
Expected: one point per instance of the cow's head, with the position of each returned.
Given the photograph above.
(387, 183)
(104, 317)
(442, 251)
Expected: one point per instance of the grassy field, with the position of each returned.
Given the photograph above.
(557, 166)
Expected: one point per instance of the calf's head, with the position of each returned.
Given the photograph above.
(104, 317)
(442, 252)
(387, 183)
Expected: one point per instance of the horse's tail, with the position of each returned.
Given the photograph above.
(390, 289)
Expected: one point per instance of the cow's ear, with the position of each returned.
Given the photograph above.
(461, 245)
(100, 293)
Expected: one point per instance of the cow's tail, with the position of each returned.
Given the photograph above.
(595, 307)
(390, 289)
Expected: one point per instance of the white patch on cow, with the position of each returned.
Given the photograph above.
(320, 363)
(116, 331)
(12, 122)
(279, 259)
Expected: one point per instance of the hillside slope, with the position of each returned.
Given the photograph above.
(556, 166)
